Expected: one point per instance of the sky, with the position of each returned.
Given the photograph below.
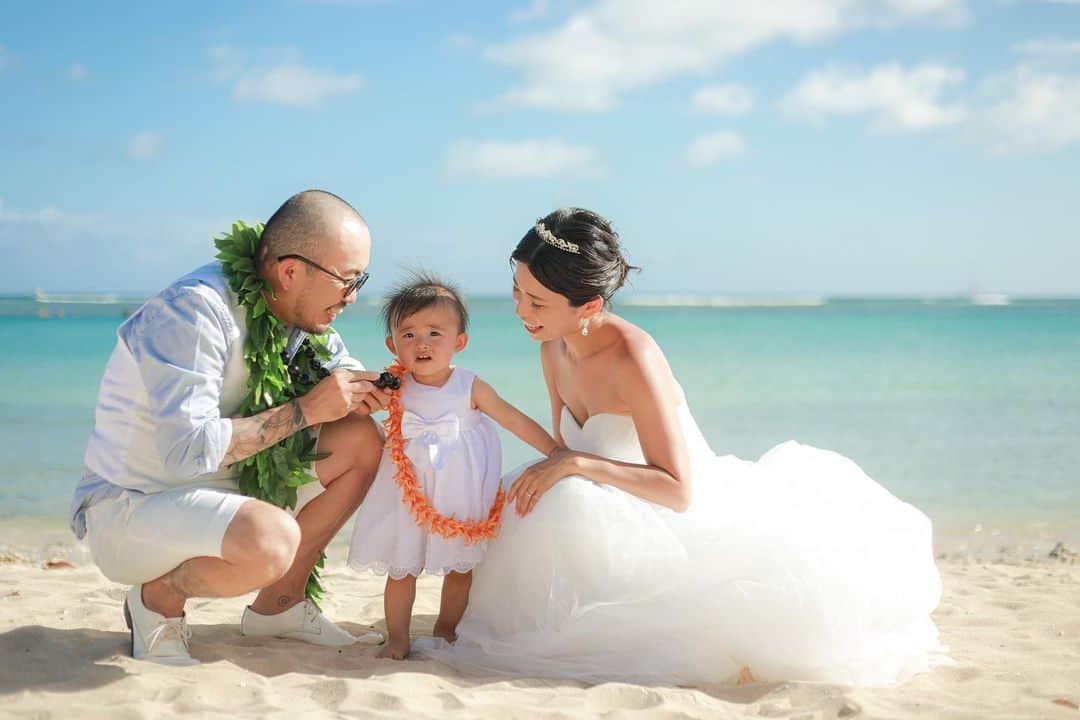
(766, 148)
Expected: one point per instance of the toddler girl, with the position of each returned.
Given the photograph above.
(435, 499)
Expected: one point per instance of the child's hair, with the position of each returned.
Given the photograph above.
(420, 291)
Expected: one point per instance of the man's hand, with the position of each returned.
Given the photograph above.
(344, 391)
(341, 393)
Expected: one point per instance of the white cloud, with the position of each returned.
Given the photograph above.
(724, 99)
(293, 84)
(144, 146)
(535, 11)
(1049, 48)
(1030, 110)
(288, 81)
(12, 217)
(119, 246)
(615, 46)
(525, 159)
(77, 72)
(896, 97)
(709, 149)
(1050, 52)
(58, 228)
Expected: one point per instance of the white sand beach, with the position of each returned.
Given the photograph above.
(1013, 629)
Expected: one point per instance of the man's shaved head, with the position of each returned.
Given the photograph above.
(303, 223)
(325, 246)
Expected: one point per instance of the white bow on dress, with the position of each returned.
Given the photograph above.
(435, 434)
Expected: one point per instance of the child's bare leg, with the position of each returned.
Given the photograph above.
(397, 605)
(455, 597)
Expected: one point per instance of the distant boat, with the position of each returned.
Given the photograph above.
(51, 298)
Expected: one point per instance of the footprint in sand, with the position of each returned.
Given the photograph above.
(328, 693)
(962, 674)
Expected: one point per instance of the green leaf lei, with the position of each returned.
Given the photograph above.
(275, 473)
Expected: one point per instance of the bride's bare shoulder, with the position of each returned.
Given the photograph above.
(641, 361)
(637, 348)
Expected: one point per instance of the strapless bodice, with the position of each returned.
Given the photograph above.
(606, 434)
(614, 436)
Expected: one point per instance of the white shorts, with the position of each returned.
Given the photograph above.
(136, 537)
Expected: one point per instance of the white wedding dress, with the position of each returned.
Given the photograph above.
(798, 566)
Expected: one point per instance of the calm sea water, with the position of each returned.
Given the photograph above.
(970, 412)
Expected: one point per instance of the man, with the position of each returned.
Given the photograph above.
(158, 501)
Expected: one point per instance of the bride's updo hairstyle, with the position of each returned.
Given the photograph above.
(575, 253)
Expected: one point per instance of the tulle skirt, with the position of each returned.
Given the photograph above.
(798, 566)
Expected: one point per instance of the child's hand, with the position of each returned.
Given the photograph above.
(541, 477)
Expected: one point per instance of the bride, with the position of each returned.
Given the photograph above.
(635, 553)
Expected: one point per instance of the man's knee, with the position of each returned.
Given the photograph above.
(262, 538)
(367, 453)
(356, 447)
(359, 434)
(369, 444)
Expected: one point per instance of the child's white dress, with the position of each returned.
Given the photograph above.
(456, 454)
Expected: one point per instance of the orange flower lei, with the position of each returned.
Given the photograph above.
(473, 531)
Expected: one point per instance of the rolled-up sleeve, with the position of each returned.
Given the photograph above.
(180, 344)
(340, 357)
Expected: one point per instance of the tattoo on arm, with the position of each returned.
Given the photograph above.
(258, 432)
(298, 413)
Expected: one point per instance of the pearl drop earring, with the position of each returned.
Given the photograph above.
(585, 327)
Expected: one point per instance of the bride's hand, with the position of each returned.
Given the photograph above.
(537, 479)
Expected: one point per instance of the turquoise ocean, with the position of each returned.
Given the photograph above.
(967, 408)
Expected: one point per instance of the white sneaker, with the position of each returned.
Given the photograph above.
(302, 621)
(154, 637)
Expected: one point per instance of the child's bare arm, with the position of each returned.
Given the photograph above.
(487, 401)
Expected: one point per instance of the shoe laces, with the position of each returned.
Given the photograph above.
(311, 613)
(171, 629)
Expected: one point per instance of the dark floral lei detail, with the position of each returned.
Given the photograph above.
(275, 473)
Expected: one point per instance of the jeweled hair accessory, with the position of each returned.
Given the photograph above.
(550, 238)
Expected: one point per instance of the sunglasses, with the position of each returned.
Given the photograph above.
(350, 285)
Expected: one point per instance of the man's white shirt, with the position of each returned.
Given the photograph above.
(175, 378)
